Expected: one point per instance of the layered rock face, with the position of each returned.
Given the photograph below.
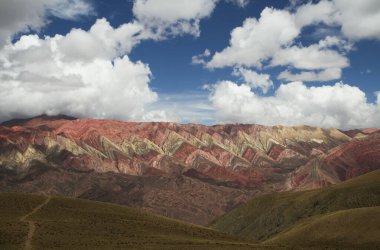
(232, 158)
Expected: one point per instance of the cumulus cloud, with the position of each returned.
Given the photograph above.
(166, 18)
(313, 13)
(357, 19)
(49, 75)
(271, 40)
(172, 17)
(254, 79)
(311, 57)
(319, 60)
(337, 43)
(87, 73)
(101, 41)
(340, 106)
(160, 115)
(257, 40)
(308, 76)
(23, 16)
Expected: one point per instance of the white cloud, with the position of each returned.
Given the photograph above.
(359, 19)
(314, 13)
(201, 58)
(270, 41)
(257, 40)
(340, 106)
(172, 17)
(101, 41)
(172, 10)
(95, 80)
(71, 9)
(88, 73)
(160, 115)
(23, 16)
(253, 79)
(336, 42)
(308, 76)
(326, 64)
(310, 58)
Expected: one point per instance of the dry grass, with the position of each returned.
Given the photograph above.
(66, 223)
(295, 212)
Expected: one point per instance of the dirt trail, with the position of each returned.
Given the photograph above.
(31, 224)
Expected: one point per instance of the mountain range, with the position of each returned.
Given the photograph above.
(191, 172)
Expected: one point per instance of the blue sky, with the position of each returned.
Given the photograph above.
(157, 77)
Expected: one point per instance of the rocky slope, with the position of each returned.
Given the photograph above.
(163, 166)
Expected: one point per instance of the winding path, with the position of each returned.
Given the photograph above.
(32, 225)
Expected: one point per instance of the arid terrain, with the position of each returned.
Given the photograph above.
(185, 171)
(342, 216)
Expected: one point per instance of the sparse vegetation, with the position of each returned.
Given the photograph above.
(312, 218)
(345, 215)
(65, 223)
(348, 229)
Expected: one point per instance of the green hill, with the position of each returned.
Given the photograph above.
(40, 222)
(346, 216)
(303, 215)
(346, 229)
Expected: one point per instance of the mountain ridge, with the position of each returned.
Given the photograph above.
(226, 159)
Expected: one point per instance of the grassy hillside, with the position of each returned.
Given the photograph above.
(62, 223)
(341, 229)
(12, 208)
(268, 215)
(346, 216)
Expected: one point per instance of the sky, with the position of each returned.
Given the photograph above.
(193, 61)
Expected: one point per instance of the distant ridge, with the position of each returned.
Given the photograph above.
(21, 121)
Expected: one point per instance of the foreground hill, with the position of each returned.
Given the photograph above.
(356, 228)
(177, 197)
(43, 222)
(160, 167)
(40, 222)
(342, 215)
